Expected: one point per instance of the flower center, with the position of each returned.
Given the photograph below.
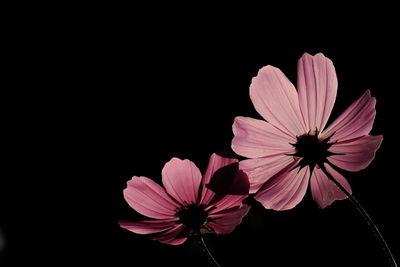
(312, 150)
(192, 216)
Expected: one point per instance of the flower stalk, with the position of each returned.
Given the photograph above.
(365, 216)
(210, 256)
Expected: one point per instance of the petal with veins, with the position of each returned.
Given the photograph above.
(323, 190)
(149, 198)
(317, 85)
(182, 179)
(276, 100)
(355, 154)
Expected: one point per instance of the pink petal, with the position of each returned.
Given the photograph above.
(256, 138)
(181, 179)
(149, 198)
(215, 163)
(225, 223)
(355, 121)
(228, 202)
(357, 153)
(317, 85)
(276, 100)
(323, 190)
(261, 170)
(171, 236)
(285, 191)
(148, 226)
(229, 180)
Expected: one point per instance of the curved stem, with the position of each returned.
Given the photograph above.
(366, 218)
(208, 251)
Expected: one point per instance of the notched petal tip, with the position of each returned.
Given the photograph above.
(317, 55)
(176, 159)
(320, 55)
(266, 71)
(306, 54)
(267, 68)
(133, 180)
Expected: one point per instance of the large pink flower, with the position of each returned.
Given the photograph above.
(186, 206)
(287, 152)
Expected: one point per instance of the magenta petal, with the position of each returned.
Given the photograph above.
(275, 98)
(317, 86)
(285, 191)
(181, 179)
(225, 223)
(323, 190)
(171, 236)
(228, 202)
(215, 163)
(261, 170)
(149, 198)
(355, 121)
(256, 138)
(148, 226)
(356, 154)
(229, 180)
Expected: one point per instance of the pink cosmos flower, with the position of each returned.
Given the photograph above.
(292, 148)
(186, 206)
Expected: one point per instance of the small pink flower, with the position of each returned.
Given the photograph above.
(186, 206)
(287, 152)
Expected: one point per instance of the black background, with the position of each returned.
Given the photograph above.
(96, 98)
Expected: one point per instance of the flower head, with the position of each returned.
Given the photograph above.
(187, 206)
(293, 146)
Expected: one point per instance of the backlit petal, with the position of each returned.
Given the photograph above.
(149, 198)
(276, 100)
(256, 138)
(181, 179)
(355, 121)
(148, 226)
(225, 223)
(357, 153)
(323, 190)
(317, 86)
(172, 236)
(285, 191)
(228, 202)
(261, 170)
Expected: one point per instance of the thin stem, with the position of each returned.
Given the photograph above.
(366, 218)
(208, 251)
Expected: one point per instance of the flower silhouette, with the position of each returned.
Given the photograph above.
(294, 148)
(187, 206)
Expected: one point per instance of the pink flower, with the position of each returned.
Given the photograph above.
(287, 152)
(186, 206)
